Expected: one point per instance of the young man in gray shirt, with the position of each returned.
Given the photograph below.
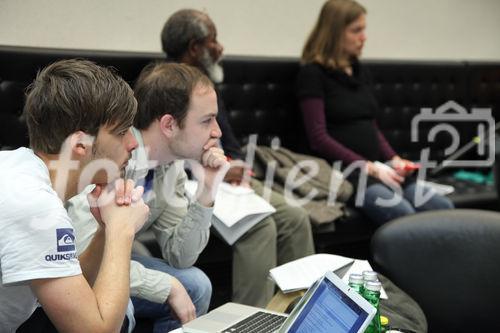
(176, 121)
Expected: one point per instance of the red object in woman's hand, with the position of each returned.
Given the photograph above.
(411, 166)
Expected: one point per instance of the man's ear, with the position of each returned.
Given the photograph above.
(168, 125)
(81, 143)
(194, 50)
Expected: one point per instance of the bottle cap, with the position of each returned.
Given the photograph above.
(373, 285)
(384, 321)
(370, 276)
(356, 278)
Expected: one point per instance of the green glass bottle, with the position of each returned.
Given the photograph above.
(370, 276)
(372, 294)
(356, 282)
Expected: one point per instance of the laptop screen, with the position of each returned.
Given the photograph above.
(329, 310)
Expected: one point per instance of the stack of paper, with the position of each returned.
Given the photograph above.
(236, 209)
(302, 273)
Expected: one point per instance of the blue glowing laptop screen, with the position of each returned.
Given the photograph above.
(329, 310)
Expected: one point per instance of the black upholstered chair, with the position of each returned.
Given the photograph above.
(448, 261)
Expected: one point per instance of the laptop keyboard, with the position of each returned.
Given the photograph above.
(259, 322)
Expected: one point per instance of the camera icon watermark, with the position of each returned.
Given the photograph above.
(443, 117)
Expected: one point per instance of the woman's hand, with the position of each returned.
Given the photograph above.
(385, 174)
(403, 167)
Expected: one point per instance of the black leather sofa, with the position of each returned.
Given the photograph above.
(447, 262)
(259, 95)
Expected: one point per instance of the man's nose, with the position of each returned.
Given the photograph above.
(220, 49)
(216, 132)
(131, 142)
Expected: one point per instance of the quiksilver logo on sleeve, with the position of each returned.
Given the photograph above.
(65, 240)
(65, 243)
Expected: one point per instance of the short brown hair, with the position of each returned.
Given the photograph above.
(166, 88)
(324, 45)
(75, 95)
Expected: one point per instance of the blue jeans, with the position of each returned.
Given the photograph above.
(197, 285)
(406, 204)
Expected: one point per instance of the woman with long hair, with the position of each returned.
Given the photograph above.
(339, 110)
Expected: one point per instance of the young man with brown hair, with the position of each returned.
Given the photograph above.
(79, 117)
(189, 36)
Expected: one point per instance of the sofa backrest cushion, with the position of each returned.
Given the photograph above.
(259, 94)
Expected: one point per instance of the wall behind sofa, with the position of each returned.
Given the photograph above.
(397, 29)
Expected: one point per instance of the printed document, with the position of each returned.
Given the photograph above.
(236, 209)
(302, 273)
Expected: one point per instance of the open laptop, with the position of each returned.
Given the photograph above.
(328, 306)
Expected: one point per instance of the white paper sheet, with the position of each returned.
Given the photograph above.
(236, 209)
(302, 273)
